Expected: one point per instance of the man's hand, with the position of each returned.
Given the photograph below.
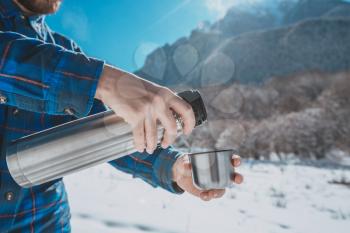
(143, 104)
(182, 175)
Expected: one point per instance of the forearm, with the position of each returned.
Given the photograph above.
(156, 169)
(42, 77)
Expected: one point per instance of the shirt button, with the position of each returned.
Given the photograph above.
(9, 196)
(15, 111)
(23, 17)
(3, 99)
(69, 111)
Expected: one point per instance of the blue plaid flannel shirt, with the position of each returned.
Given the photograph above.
(43, 77)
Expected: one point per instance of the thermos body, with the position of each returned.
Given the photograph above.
(68, 148)
(79, 144)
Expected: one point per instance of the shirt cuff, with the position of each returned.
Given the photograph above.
(163, 168)
(76, 76)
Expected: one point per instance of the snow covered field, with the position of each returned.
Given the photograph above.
(274, 198)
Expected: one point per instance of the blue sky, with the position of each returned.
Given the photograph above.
(123, 31)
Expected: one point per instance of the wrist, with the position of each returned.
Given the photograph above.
(101, 87)
(107, 82)
(175, 177)
(177, 169)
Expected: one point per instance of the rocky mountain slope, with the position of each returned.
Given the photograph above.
(273, 77)
(252, 44)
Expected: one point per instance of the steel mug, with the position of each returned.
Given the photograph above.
(212, 170)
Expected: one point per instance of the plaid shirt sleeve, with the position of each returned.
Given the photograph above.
(155, 169)
(43, 77)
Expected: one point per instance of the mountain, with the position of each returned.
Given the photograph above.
(275, 78)
(306, 9)
(253, 43)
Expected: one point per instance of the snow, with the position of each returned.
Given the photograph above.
(275, 197)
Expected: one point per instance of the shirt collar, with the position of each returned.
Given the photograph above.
(38, 24)
(38, 19)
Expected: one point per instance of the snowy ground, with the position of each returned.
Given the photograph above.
(274, 198)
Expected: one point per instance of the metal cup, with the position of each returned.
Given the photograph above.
(212, 170)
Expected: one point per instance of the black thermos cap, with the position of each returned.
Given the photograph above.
(194, 98)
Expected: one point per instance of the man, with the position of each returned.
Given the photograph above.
(46, 80)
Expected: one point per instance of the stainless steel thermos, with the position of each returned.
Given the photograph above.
(77, 145)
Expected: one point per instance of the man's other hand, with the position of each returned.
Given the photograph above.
(143, 104)
(182, 175)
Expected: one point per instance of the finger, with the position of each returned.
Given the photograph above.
(236, 160)
(187, 170)
(151, 134)
(184, 170)
(217, 193)
(187, 185)
(237, 178)
(185, 111)
(211, 194)
(205, 196)
(169, 123)
(139, 136)
(186, 158)
(187, 166)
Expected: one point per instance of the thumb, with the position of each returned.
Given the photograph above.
(187, 169)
